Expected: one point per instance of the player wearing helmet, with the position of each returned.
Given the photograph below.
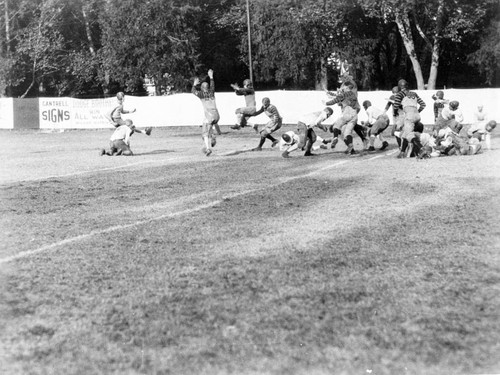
(439, 103)
(115, 115)
(305, 130)
(243, 113)
(482, 131)
(451, 116)
(409, 105)
(347, 99)
(206, 93)
(274, 124)
(377, 122)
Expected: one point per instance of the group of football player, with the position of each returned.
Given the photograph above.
(447, 136)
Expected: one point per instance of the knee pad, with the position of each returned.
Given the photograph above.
(336, 132)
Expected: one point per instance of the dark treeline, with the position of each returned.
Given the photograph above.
(94, 48)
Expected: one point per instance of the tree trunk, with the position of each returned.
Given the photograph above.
(7, 28)
(436, 47)
(87, 30)
(404, 28)
(322, 76)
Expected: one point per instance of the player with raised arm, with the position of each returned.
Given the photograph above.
(206, 93)
(243, 113)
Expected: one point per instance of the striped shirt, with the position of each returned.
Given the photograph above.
(402, 94)
(271, 112)
(346, 99)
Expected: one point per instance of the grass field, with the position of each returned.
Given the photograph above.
(170, 262)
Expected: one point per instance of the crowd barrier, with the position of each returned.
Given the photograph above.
(186, 109)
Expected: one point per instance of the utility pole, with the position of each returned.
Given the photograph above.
(249, 43)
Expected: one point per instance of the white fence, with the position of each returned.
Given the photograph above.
(186, 109)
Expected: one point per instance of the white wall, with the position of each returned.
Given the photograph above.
(186, 109)
(6, 113)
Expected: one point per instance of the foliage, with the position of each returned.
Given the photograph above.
(95, 47)
(487, 58)
(148, 39)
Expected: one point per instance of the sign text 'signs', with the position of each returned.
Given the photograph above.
(55, 115)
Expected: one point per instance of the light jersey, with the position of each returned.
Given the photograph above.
(116, 114)
(478, 127)
(409, 101)
(448, 114)
(122, 132)
(479, 116)
(373, 114)
(292, 145)
(313, 119)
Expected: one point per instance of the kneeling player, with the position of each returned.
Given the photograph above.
(119, 142)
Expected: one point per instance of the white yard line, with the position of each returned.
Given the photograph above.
(26, 254)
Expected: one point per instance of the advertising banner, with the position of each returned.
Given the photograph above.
(70, 113)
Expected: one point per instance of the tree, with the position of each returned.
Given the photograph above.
(149, 39)
(433, 21)
(487, 58)
(40, 47)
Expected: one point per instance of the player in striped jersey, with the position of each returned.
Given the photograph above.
(347, 99)
(274, 124)
(409, 105)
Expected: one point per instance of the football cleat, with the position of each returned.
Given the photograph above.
(371, 148)
(102, 152)
(384, 146)
(334, 142)
(148, 130)
(274, 143)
